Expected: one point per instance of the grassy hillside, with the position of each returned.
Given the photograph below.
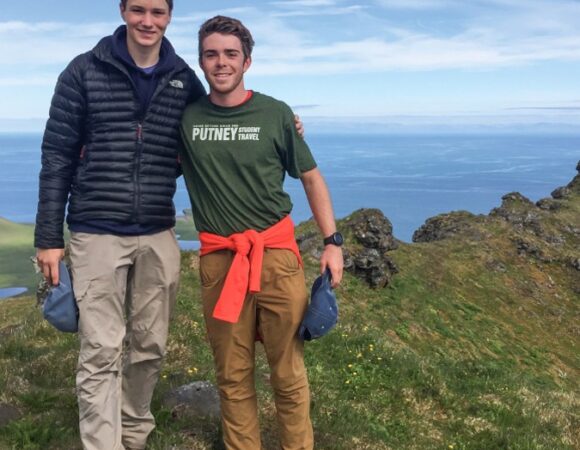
(16, 248)
(185, 228)
(473, 345)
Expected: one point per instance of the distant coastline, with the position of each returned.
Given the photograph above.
(511, 122)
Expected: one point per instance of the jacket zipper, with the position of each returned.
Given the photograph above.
(160, 85)
(137, 170)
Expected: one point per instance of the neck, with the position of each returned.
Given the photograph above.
(144, 56)
(229, 99)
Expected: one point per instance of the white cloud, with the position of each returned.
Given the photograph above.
(412, 53)
(327, 12)
(47, 43)
(417, 4)
(304, 3)
(27, 80)
(531, 33)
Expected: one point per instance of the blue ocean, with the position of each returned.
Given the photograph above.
(409, 177)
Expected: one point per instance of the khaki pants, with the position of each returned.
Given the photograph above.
(278, 310)
(125, 289)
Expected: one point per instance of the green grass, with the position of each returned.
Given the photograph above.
(454, 354)
(16, 249)
(185, 229)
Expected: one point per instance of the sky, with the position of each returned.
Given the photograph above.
(379, 61)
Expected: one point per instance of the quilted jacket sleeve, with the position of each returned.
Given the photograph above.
(61, 145)
(197, 90)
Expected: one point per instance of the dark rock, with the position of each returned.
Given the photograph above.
(372, 229)
(516, 197)
(376, 268)
(444, 226)
(348, 260)
(520, 212)
(310, 242)
(575, 263)
(367, 259)
(555, 239)
(528, 248)
(368, 236)
(572, 230)
(574, 185)
(8, 413)
(525, 248)
(200, 398)
(560, 193)
(496, 266)
(548, 204)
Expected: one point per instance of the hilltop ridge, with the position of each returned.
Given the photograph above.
(467, 338)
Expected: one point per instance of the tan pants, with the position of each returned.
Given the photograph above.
(278, 310)
(125, 289)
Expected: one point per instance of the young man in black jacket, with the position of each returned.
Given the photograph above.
(110, 152)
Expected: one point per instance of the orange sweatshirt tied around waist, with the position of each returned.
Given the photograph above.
(246, 269)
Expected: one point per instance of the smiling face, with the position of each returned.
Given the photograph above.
(223, 63)
(146, 22)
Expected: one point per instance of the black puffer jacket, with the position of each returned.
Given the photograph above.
(103, 156)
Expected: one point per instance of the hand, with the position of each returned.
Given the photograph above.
(48, 259)
(332, 258)
(299, 125)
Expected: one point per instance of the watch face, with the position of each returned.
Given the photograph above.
(334, 239)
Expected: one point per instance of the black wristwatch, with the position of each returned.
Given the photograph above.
(334, 239)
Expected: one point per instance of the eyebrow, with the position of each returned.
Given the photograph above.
(142, 8)
(227, 50)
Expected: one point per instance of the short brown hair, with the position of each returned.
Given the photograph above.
(169, 3)
(226, 25)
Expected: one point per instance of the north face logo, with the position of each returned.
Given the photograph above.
(176, 84)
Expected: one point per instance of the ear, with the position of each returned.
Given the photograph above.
(122, 11)
(247, 63)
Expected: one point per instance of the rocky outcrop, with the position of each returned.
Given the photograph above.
(534, 234)
(560, 193)
(520, 212)
(445, 226)
(371, 229)
(549, 204)
(368, 237)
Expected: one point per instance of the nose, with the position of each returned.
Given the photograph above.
(147, 20)
(221, 59)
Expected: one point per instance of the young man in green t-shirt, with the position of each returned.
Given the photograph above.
(238, 146)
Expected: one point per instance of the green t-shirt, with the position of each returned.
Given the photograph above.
(234, 162)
